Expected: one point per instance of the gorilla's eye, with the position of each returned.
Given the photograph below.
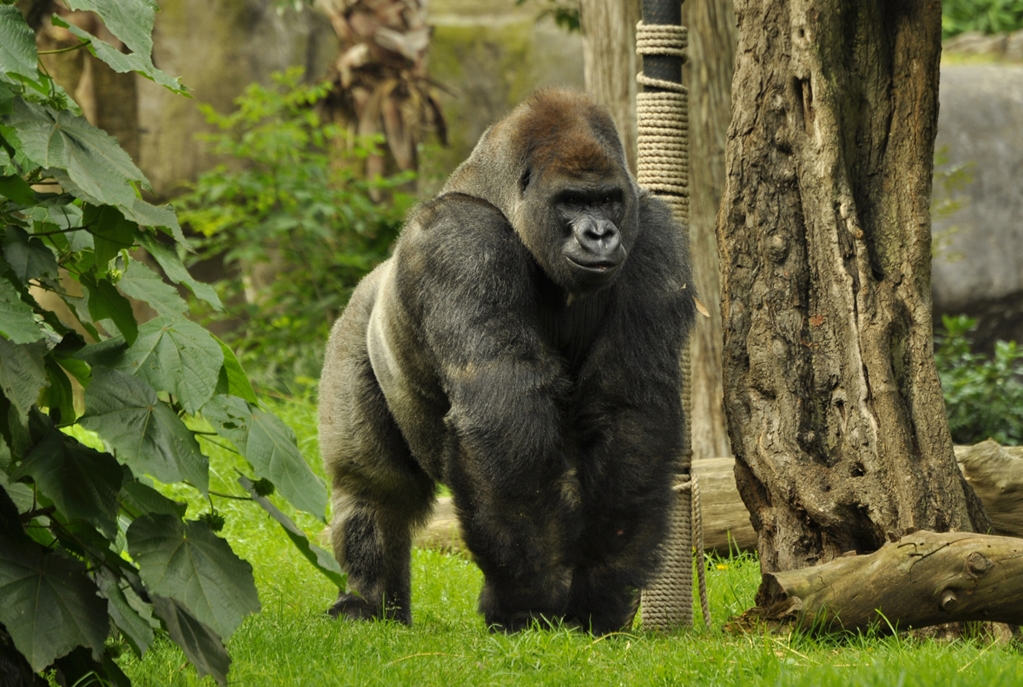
(574, 201)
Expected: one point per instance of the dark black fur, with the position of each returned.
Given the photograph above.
(521, 346)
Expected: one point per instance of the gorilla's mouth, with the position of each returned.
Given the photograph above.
(599, 265)
(599, 268)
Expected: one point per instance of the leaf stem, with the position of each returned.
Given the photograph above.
(229, 496)
(67, 49)
(32, 514)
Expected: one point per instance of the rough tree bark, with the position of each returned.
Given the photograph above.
(834, 408)
(708, 75)
(610, 63)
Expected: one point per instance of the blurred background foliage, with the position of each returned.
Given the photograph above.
(983, 395)
(293, 221)
(985, 16)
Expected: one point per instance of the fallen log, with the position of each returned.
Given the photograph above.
(923, 579)
(995, 472)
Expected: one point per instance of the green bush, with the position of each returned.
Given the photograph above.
(986, 16)
(295, 205)
(96, 406)
(983, 396)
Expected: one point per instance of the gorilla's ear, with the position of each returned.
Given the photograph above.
(525, 179)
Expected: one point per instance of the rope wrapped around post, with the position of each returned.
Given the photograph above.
(662, 114)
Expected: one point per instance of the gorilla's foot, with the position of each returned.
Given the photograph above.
(354, 607)
(516, 622)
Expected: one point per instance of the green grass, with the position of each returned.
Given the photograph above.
(292, 642)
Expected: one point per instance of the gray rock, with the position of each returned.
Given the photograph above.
(979, 271)
(976, 43)
(1014, 46)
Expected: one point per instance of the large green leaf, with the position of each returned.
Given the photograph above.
(111, 231)
(186, 561)
(106, 303)
(17, 44)
(80, 667)
(121, 62)
(17, 321)
(95, 163)
(15, 188)
(139, 499)
(81, 483)
(28, 257)
(162, 216)
(201, 645)
(58, 395)
(22, 374)
(177, 356)
(144, 432)
(49, 604)
(143, 284)
(176, 272)
(270, 446)
(132, 615)
(323, 561)
(19, 494)
(130, 20)
(233, 380)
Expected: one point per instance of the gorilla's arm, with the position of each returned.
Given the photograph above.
(469, 283)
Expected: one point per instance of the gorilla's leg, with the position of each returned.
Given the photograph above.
(380, 496)
(373, 541)
(379, 493)
(520, 527)
(602, 600)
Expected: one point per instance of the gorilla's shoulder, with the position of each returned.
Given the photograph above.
(456, 210)
(454, 237)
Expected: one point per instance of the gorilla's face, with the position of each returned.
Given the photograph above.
(555, 167)
(580, 228)
(592, 245)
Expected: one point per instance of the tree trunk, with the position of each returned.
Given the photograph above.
(708, 75)
(610, 63)
(834, 408)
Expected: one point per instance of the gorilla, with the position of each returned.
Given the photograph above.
(522, 347)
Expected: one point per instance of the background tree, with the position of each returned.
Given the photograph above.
(610, 63)
(834, 408)
(380, 81)
(708, 76)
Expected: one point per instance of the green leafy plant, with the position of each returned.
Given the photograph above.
(565, 13)
(95, 405)
(983, 396)
(986, 16)
(296, 218)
